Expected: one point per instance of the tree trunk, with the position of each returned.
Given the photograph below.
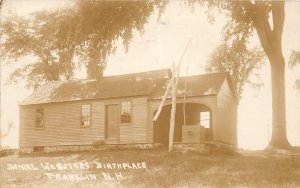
(94, 71)
(279, 137)
(270, 40)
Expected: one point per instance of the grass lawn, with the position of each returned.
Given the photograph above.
(189, 169)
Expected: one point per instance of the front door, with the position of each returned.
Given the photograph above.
(112, 125)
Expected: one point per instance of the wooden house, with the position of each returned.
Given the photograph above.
(120, 110)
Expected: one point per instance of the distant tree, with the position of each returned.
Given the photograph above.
(88, 30)
(293, 62)
(240, 62)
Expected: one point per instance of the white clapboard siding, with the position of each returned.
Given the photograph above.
(62, 125)
(226, 117)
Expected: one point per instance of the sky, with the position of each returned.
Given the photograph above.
(161, 44)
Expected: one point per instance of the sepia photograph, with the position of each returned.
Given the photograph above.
(149, 93)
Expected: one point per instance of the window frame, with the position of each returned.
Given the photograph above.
(90, 115)
(42, 120)
(209, 119)
(130, 112)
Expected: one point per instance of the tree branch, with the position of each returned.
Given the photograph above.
(262, 26)
(278, 21)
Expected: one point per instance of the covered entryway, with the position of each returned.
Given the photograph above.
(112, 124)
(198, 126)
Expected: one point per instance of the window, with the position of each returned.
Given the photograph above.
(126, 112)
(85, 115)
(205, 119)
(39, 117)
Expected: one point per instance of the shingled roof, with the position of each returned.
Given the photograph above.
(151, 83)
(136, 84)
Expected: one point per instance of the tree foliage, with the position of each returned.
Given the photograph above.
(43, 39)
(102, 23)
(293, 62)
(241, 63)
(294, 59)
(64, 39)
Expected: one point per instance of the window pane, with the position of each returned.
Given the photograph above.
(85, 115)
(205, 119)
(126, 112)
(40, 117)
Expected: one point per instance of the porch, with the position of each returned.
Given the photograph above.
(193, 124)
